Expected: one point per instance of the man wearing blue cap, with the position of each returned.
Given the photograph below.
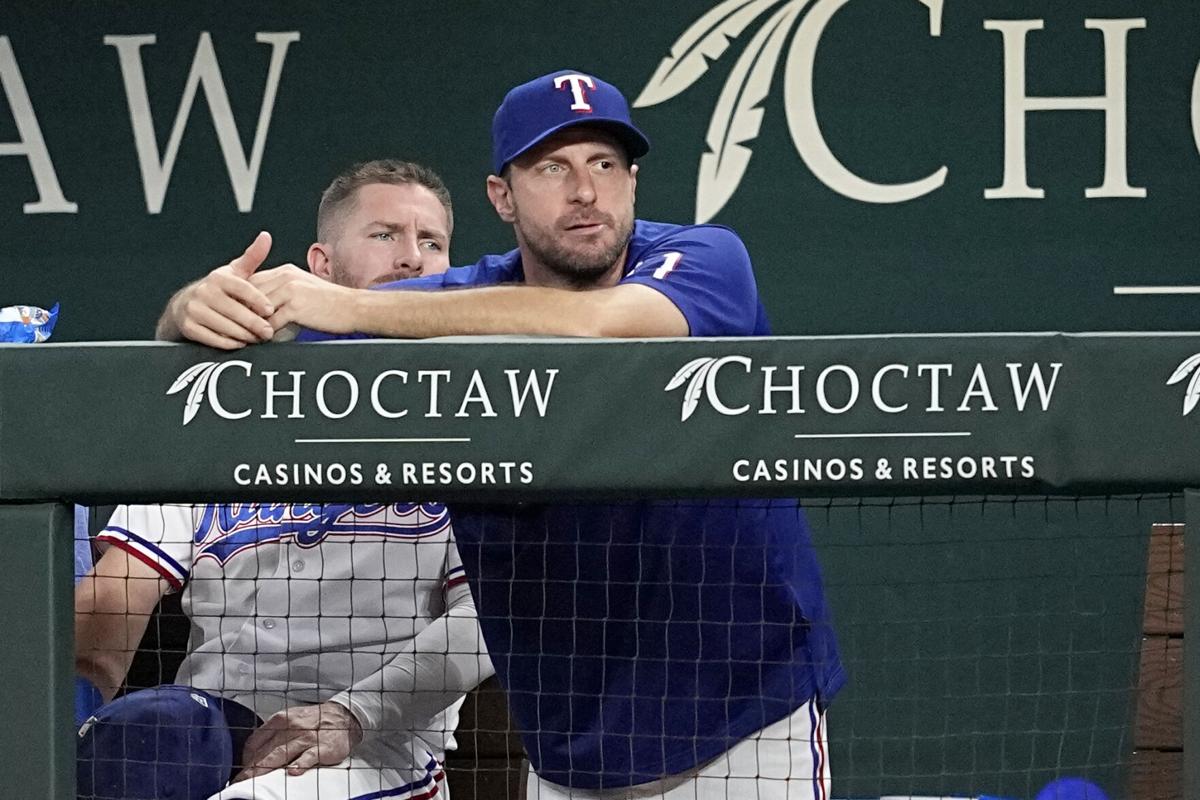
(644, 664)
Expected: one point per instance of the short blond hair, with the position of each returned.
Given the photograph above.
(340, 193)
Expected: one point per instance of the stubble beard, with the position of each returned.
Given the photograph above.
(342, 276)
(578, 268)
(338, 275)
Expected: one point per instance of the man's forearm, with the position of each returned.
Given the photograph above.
(443, 662)
(106, 637)
(617, 311)
(491, 310)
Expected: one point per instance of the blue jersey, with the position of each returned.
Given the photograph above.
(640, 640)
(704, 270)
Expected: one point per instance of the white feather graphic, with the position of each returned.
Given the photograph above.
(695, 387)
(1193, 395)
(193, 399)
(187, 376)
(1184, 369)
(737, 117)
(706, 40)
(935, 16)
(685, 372)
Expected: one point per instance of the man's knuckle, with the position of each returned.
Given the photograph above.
(203, 293)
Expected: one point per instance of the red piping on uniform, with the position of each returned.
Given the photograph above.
(145, 559)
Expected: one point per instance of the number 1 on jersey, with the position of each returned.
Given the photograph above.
(670, 261)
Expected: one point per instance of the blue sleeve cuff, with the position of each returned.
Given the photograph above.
(87, 699)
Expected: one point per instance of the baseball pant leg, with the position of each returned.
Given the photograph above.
(353, 779)
(787, 760)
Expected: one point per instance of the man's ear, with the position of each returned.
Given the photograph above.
(319, 262)
(500, 193)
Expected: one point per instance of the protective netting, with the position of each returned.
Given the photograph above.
(990, 644)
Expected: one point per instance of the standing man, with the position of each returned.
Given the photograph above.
(706, 670)
(349, 628)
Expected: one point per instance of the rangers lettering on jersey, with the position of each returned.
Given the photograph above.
(577, 82)
(297, 604)
(225, 530)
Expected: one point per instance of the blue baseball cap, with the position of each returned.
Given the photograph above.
(546, 105)
(166, 743)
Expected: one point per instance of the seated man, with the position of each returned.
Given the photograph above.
(378, 222)
(350, 627)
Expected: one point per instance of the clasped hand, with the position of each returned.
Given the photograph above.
(301, 738)
(236, 304)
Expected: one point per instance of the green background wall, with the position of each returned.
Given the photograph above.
(420, 80)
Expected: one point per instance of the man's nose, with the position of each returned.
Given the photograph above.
(408, 255)
(583, 189)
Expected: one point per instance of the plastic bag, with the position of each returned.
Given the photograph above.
(27, 324)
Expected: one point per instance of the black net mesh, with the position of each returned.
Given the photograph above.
(990, 645)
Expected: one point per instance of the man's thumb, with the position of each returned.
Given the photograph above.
(245, 265)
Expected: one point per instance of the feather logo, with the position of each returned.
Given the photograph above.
(737, 117)
(197, 376)
(700, 376)
(707, 39)
(1192, 396)
(697, 370)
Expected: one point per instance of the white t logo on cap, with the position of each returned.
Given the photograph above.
(577, 83)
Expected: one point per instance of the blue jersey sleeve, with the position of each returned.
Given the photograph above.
(705, 271)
